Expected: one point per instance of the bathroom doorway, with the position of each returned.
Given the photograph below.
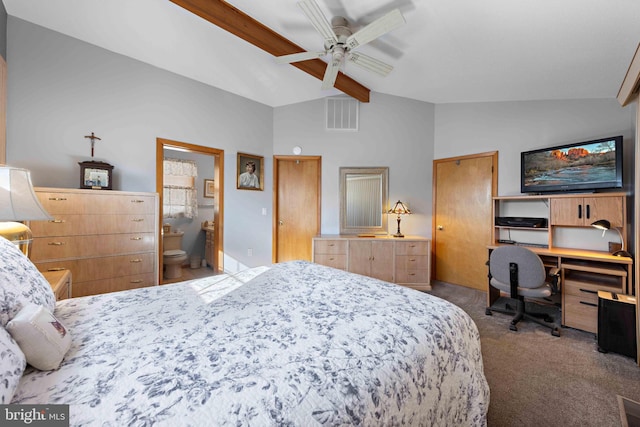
(214, 189)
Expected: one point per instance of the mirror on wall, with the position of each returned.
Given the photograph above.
(363, 200)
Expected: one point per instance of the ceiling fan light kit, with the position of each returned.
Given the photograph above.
(340, 41)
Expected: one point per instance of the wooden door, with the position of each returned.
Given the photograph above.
(297, 206)
(382, 260)
(463, 188)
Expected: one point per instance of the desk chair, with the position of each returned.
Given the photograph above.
(520, 272)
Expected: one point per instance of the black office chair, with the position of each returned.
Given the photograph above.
(519, 272)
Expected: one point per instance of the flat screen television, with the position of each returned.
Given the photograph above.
(577, 167)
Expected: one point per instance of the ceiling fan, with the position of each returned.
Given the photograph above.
(340, 42)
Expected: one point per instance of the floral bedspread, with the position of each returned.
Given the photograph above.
(293, 344)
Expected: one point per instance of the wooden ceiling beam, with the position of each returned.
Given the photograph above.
(233, 20)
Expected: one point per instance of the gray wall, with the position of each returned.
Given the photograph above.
(3, 31)
(61, 89)
(512, 127)
(394, 132)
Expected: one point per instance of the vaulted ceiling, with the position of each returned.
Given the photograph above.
(448, 50)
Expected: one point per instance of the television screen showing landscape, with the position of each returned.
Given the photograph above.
(580, 164)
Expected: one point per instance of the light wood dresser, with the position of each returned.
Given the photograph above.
(107, 239)
(405, 261)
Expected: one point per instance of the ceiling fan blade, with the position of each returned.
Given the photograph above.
(380, 26)
(297, 57)
(331, 73)
(319, 21)
(369, 63)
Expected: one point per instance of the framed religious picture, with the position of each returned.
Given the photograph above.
(96, 175)
(250, 172)
(209, 188)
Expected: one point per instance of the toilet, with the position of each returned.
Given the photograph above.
(173, 257)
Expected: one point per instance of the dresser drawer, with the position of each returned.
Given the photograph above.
(412, 276)
(90, 202)
(412, 262)
(330, 247)
(87, 269)
(53, 248)
(335, 261)
(115, 284)
(78, 225)
(412, 248)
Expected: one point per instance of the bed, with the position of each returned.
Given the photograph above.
(294, 344)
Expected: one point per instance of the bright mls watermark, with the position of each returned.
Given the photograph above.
(34, 415)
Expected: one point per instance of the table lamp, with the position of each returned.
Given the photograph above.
(399, 209)
(604, 225)
(18, 202)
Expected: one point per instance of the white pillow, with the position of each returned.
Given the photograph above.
(41, 337)
(12, 364)
(20, 283)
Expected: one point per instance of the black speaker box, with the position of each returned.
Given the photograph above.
(617, 323)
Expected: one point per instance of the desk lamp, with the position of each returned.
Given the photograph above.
(604, 225)
(18, 202)
(399, 209)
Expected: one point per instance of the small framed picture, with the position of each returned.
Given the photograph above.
(209, 188)
(250, 172)
(96, 175)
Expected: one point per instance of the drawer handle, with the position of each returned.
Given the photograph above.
(56, 269)
(330, 244)
(137, 201)
(58, 199)
(136, 281)
(590, 304)
(412, 274)
(56, 243)
(57, 221)
(412, 246)
(137, 219)
(136, 238)
(135, 260)
(589, 291)
(412, 259)
(331, 259)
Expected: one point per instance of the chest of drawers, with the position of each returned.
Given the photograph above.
(107, 239)
(405, 261)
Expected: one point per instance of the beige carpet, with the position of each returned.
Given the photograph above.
(540, 380)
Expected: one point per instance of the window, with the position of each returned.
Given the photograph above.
(179, 191)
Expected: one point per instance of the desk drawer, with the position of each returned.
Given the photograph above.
(580, 302)
(412, 276)
(581, 312)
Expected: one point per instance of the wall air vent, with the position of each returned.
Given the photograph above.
(341, 113)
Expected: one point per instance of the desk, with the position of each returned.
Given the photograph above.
(583, 273)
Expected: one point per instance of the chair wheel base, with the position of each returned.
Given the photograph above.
(488, 312)
(513, 327)
(555, 332)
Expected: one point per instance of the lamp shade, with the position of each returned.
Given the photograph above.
(399, 209)
(18, 200)
(604, 225)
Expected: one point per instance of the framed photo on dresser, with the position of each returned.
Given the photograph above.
(96, 175)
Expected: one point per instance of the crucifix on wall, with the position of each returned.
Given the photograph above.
(93, 141)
